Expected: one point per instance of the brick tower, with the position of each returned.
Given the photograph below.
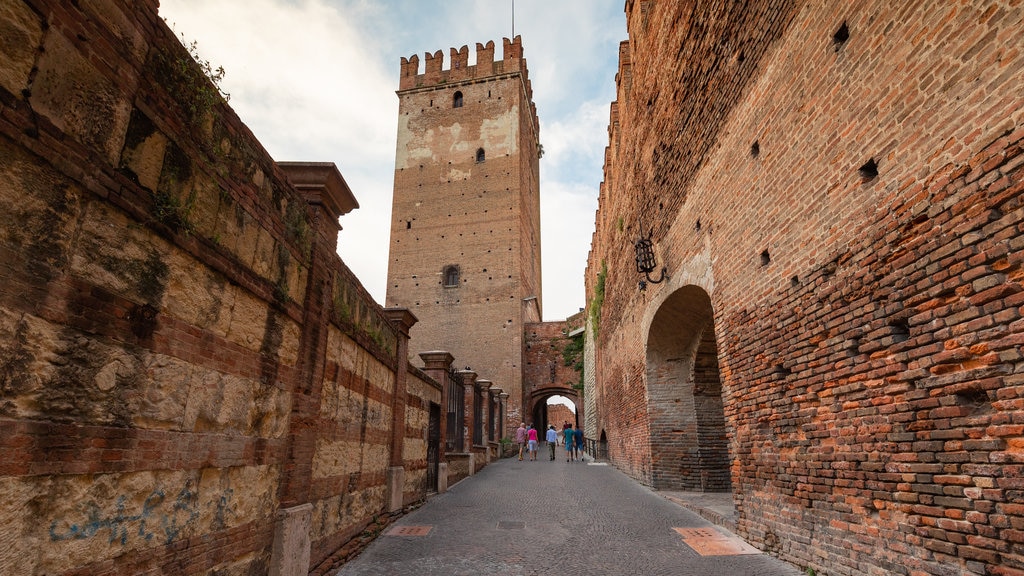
(465, 228)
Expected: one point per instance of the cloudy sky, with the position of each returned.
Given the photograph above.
(315, 81)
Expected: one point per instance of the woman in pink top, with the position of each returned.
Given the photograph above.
(531, 434)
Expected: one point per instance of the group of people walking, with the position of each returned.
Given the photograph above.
(570, 438)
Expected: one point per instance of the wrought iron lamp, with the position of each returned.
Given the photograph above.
(645, 260)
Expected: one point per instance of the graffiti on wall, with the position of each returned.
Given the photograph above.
(160, 516)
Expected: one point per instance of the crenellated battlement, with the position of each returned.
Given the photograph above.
(459, 69)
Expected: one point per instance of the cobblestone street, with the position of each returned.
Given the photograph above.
(559, 518)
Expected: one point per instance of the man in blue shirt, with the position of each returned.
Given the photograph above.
(552, 438)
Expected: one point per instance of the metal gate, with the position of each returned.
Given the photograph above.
(433, 446)
(456, 409)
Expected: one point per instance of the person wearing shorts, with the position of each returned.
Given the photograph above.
(521, 438)
(531, 436)
(569, 441)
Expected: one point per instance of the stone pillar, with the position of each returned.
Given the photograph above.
(403, 320)
(328, 198)
(482, 386)
(442, 477)
(436, 364)
(290, 554)
(503, 410)
(494, 399)
(469, 384)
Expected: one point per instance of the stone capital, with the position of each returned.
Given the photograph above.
(437, 360)
(401, 318)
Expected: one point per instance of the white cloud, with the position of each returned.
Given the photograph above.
(315, 80)
(574, 144)
(562, 400)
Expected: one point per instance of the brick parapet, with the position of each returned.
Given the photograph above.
(460, 72)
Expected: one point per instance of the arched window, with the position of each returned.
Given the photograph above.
(451, 276)
(480, 155)
(457, 100)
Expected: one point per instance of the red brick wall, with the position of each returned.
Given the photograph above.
(450, 209)
(559, 414)
(182, 354)
(545, 372)
(866, 326)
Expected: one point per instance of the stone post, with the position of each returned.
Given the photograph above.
(328, 198)
(502, 409)
(402, 319)
(290, 554)
(436, 364)
(492, 424)
(469, 383)
(482, 386)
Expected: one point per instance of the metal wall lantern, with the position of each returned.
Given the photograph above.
(645, 260)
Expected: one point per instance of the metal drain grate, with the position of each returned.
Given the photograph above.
(409, 531)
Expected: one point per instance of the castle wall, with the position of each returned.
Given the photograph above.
(545, 372)
(182, 354)
(866, 325)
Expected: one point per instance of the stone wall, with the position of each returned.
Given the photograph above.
(835, 191)
(184, 360)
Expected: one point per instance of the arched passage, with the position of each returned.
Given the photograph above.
(541, 415)
(689, 446)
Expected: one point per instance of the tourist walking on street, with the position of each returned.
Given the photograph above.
(578, 443)
(569, 441)
(521, 438)
(552, 437)
(531, 436)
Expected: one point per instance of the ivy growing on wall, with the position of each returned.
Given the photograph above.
(598, 300)
(572, 356)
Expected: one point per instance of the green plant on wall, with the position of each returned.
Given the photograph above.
(192, 80)
(172, 212)
(598, 300)
(297, 228)
(572, 356)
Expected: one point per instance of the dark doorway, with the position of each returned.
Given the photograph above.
(433, 446)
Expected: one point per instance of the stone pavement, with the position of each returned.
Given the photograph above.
(560, 518)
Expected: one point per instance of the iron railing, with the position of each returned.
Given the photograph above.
(455, 440)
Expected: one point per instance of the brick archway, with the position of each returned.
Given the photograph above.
(539, 410)
(689, 446)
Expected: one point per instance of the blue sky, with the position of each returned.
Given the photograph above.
(315, 80)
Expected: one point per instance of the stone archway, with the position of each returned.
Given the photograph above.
(689, 444)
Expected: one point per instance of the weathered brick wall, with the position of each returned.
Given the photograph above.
(866, 326)
(559, 414)
(182, 354)
(423, 391)
(480, 215)
(545, 373)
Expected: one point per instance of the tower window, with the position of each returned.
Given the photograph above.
(480, 155)
(451, 276)
(457, 100)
